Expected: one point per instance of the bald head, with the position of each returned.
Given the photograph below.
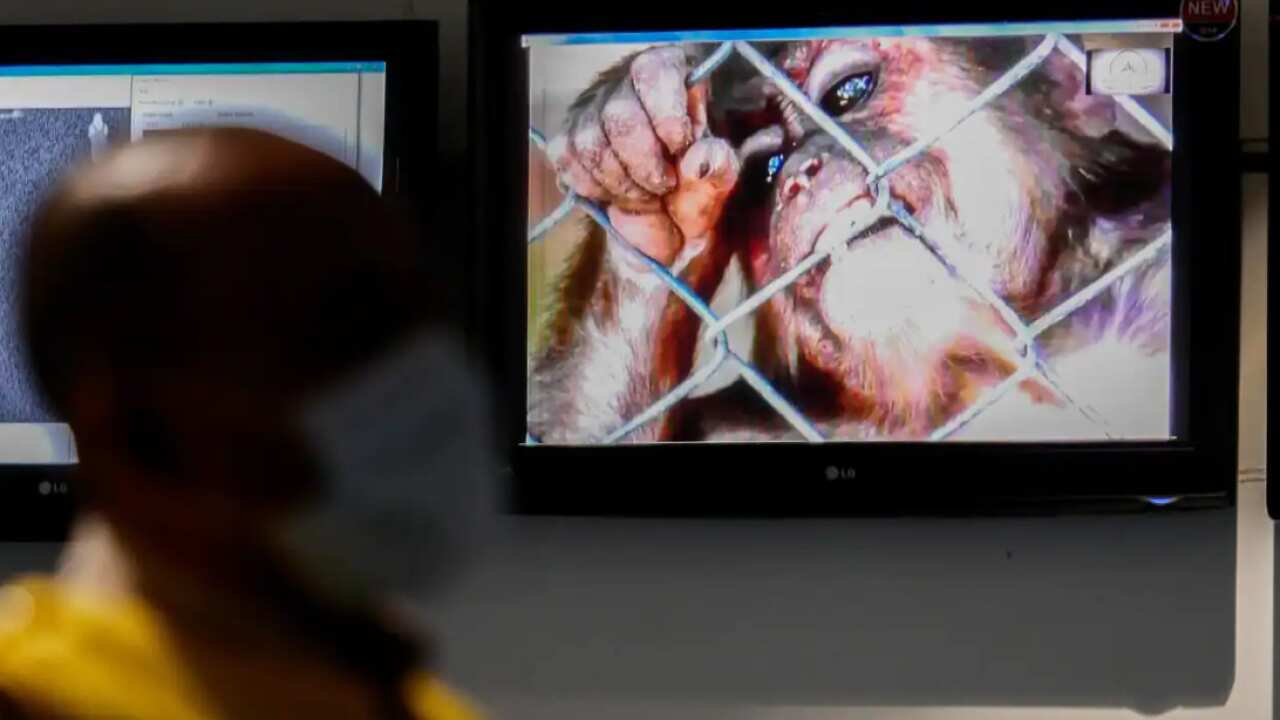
(196, 270)
(227, 251)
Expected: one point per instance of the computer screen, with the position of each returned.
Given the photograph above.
(895, 233)
(52, 117)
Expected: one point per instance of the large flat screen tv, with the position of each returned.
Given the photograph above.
(901, 257)
(362, 92)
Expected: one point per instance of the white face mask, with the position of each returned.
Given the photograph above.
(409, 474)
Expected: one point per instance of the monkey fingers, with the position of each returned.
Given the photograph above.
(658, 76)
(571, 172)
(592, 149)
(708, 173)
(627, 125)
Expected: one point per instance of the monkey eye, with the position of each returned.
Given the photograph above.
(848, 93)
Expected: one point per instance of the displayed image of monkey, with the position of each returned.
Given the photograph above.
(729, 184)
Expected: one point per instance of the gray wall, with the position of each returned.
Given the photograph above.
(1136, 611)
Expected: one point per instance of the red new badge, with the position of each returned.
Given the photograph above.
(1209, 19)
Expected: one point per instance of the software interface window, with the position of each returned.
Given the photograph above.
(52, 117)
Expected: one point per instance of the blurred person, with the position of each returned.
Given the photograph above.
(273, 433)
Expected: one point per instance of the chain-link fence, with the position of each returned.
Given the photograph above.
(1032, 366)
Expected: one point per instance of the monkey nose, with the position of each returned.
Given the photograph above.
(793, 185)
(802, 179)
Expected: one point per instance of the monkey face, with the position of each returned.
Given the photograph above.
(885, 325)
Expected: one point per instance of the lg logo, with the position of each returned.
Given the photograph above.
(52, 488)
(835, 473)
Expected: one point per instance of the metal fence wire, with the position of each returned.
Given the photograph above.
(1033, 365)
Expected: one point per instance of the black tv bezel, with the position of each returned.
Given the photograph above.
(888, 478)
(410, 49)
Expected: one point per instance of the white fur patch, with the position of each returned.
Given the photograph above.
(1130, 389)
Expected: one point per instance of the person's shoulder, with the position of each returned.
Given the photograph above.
(26, 607)
(432, 699)
(61, 650)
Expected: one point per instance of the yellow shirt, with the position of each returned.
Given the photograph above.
(66, 656)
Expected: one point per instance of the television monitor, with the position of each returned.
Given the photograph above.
(908, 257)
(361, 92)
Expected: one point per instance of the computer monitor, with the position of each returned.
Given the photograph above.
(55, 116)
(837, 260)
(364, 93)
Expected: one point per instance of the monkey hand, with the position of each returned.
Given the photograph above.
(636, 142)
